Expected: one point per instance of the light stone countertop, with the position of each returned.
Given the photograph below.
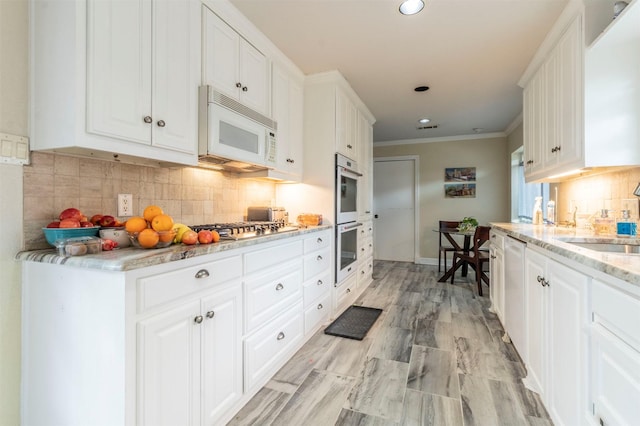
(131, 258)
(554, 239)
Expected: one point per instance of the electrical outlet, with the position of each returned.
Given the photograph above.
(125, 205)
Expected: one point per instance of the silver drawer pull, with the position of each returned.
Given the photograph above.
(198, 319)
(362, 272)
(161, 123)
(319, 258)
(210, 314)
(280, 336)
(279, 287)
(202, 273)
(320, 306)
(319, 282)
(319, 240)
(147, 119)
(348, 290)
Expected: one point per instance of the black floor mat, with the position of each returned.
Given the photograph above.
(354, 323)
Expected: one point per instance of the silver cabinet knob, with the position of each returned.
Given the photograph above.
(198, 319)
(319, 240)
(161, 123)
(279, 287)
(348, 290)
(320, 306)
(210, 314)
(280, 336)
(238, 85)
(147, 119)
(245, 88)
(202, 273)
(319, 258)
(319, 282)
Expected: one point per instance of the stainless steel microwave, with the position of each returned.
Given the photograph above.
(229, 130)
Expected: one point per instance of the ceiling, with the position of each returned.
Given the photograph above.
(471, 54)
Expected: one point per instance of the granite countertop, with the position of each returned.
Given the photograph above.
(130, 258)
(555, 240)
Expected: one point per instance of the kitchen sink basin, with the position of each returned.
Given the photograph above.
(607, 246)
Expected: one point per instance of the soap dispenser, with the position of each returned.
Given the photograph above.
(626, 227)
(604, 225)
(537, 212)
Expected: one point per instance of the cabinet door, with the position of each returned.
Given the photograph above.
(176, 69)
(533, 125)
(254, 78)
(536, 296)
(296, 140)
(567, 345)
(345, 126)
(169, 367)
(615, 378)
(221, 54)
(119, 69)
(280, 109)
(222, 353)
(496, 289)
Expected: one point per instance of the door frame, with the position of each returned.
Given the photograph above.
(416, 199)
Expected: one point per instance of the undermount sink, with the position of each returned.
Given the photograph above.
(606, 246)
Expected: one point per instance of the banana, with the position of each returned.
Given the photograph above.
(180, 229)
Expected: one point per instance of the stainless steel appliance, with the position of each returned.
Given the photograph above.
(346, 189)
(232, 136)
(268, 214)
(346, 250)
(242, 230)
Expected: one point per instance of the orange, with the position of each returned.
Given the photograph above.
(216, 236)
(135, 224)
(150, 212)
(166, 236)
(162, 222)
(148, 238)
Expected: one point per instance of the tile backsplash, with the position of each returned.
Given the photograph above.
(612, 191)
(53, 182)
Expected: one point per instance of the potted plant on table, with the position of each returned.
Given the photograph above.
(468, 224)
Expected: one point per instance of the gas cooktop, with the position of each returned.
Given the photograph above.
(244, 230)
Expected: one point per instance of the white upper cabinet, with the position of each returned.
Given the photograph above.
(287, 108)
(233, 66)
(124, 84)
(346, 126)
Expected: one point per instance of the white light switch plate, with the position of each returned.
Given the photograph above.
(125, 205)
(14, 149)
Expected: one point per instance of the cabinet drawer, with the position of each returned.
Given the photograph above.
(365, 270)
(366, 230)
(345, 293)
(497, 240)
(316, 286)
(317, 313)
(268, 348)
(155, 290)
(271, 293)
(318, 241)
(259, 260)
(617, 311)
(316, 263)
(366, 248)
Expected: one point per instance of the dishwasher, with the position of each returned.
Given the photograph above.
(514, 294)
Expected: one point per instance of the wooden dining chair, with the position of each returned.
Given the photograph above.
(476, 257)
(443, 249)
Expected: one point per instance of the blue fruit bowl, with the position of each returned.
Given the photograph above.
(53, 234)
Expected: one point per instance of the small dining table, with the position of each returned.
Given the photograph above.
(466, 247)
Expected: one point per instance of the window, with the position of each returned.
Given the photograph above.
(523, 194)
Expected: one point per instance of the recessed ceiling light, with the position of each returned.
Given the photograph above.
(411, 7)
(478, 129)
(421, 88)
(424, 120)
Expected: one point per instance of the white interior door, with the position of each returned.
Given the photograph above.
(394, 209)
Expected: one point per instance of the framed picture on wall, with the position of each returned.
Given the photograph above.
(460, 174)
(459, 190)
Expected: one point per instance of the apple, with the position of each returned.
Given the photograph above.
(107, 220)
(204, 237)
(85, 224)
(71, 213)
(190, 238)
(95, 219)
(69, 223)
(54, 224)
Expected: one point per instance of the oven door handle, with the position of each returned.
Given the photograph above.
(354, 174)
(351, 226)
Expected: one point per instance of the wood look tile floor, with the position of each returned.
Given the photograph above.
(434, 357)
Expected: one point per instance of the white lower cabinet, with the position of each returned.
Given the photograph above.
(615, 355)
(556, 329)
(190, 360)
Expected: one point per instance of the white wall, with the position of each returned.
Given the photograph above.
(13, 120)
